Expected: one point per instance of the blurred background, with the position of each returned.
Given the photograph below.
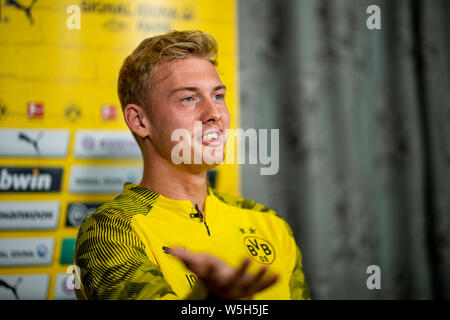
(360, 98)
(364, 118)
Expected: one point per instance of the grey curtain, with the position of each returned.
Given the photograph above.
(364, 119)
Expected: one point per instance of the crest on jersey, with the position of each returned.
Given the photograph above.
(259, 249)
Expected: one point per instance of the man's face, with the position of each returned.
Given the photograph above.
(189, 91)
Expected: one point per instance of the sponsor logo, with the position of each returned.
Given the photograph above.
(24, 287)
(28, 215)
(27, 179)
(64, 288)
(188, 13)
(3, 109)
(102, 180)
(51, 143)
(26, 251)
(32, 143)
(114, 25)
(109, 112)
(20, 6)
(141, 10)
(35, 110)
(106, 144)
(259, 249)
(77, 212)
(67, 250)
(105, 7)
(42, 250)
(72, 112)
(13, 288)
(88, 143)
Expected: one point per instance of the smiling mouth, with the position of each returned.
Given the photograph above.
(212, 138)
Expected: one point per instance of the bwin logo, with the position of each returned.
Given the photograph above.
(33, 181)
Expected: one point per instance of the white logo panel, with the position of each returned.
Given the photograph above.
(50, 143)
(62, 290)
(26, 251)
(106, 179)
(24, 287)
(20, 215)
(106, 144)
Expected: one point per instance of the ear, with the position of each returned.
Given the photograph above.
(137, 120)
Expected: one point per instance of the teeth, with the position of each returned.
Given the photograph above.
(211, 136)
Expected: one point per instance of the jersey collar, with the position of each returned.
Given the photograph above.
(183, 208)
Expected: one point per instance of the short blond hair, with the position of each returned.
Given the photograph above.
(135, 76)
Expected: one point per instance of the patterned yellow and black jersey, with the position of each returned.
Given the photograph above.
(121, 248)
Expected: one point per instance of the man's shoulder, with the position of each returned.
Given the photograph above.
(252, 206)
(243, 203)
(121, 210)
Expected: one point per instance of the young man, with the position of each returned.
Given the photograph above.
(172, 236)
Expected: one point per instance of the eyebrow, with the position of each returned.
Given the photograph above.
(195, 89)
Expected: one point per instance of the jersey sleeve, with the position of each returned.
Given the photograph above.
(298, 287)
(113, 263)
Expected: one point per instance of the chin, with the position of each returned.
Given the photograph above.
(209, 160)
(199, 168)
(213, 157)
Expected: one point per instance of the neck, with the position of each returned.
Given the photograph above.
(174, 182)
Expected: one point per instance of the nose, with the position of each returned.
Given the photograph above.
(210, 111)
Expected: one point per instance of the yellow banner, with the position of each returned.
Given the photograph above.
(58, 88)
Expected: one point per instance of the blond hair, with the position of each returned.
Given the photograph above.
(135, 76)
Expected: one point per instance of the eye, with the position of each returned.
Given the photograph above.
(218, 96)
(187, 99)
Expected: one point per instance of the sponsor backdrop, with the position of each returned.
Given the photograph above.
(64, 147)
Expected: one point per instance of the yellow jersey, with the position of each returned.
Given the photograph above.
(122, 248)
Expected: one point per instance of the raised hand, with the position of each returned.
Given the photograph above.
(222, 280)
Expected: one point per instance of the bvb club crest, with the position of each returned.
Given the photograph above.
(259, 249)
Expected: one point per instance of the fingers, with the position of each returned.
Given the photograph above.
(257, 279)
(257, 282)
(237, 276)
(244, 284)
(263, 284)
(241, 271)
(181, 254)
(261, 273)
(222, 279)
(202, 264)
